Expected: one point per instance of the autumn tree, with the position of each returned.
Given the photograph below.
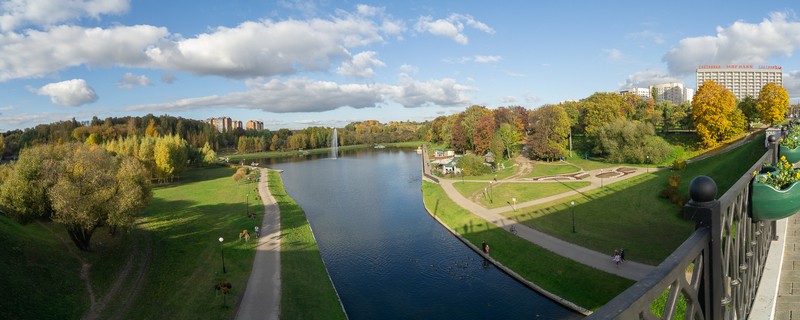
(2, 146)
(599, 109)
(715, 115)
(484, 132)
(79, 186)
(749, 110)
(772, 103)
(469, 122)
(550, 126)
(208, 154)
(459, 137)
(170, 154)
(509, 137)
(151, 129)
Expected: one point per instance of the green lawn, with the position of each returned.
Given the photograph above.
(306, 289)
(40, 278)
(543, 169)
(580, 284)
(630, 214)
(501, 194)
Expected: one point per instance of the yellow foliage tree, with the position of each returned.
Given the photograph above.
(772, 103)
(715, 115)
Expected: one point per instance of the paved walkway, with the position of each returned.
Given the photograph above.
(602, 261)
(262, 296)
(788, 303)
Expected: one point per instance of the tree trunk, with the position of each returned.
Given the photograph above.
(81, 237)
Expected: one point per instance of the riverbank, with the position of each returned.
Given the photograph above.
(283, 154)
(577, 286)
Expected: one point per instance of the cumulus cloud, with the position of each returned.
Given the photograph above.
(129, 80)
(739, 43)
(643, 79)
(36, 53)
(302, 95)
(248, 50)
(791, 82)
(360, 65)
(20, 13)
(452, 27)
(408, 69)
(73, 92)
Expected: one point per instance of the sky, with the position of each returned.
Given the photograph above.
(293, 64)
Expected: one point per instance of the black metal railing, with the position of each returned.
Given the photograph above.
(716, 272)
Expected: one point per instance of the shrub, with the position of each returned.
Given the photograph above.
(679, 164)
(630, 142)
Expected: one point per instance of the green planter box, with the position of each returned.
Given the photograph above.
(792, 155)
(773, 204)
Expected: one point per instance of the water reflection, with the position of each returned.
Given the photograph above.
(388, 259)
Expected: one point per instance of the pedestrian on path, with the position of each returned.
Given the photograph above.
(256, 232)
(617, 258)
(622, 254)
(484, 247)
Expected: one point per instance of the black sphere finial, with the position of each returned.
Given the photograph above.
(772, 138)
(702, 189)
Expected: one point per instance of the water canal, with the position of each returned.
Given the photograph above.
(387, 257)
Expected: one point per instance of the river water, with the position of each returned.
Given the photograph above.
(387, 257)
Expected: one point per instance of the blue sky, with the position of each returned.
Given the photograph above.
(293, 64)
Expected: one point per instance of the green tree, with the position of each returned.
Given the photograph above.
(509, 137)
(599, 109)
(772, 103)
(715, 115)
(473, 165)
(551, 128)
(2, 146)
(79, 186)
(209, 156)
(749, 110)
(624, 141)
(469, 123)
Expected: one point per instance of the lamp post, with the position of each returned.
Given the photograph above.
(648, 162)
(601, 178)
(572, 208)
(491, 198)
(247, 203)
(223, 255)
(513, 203)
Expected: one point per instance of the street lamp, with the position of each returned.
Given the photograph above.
(572, 208)
(513, 202)
(491, 198)
(648, 162)
(601, 178)
(247, 203)
(223, 255)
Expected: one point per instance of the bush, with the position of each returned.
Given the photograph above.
(473, 165)
(625, 141)
(671, 192)
(679, 164)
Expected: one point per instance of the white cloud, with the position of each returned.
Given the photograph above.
(129, 80)
(168, 78)
(302, 95)
(20, 13)
(251, 49)
(644, 79)
(360, 65)
(476, 59)
(452, 27)
(73, 92)
(37, 53)
(409, 69)
(508, 100)
(739, 43)
(7, 108)
(531, 99)
(791, 82)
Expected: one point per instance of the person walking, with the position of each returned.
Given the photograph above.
(484, 247)
(616, 258)
(622, 254)
(256, 232)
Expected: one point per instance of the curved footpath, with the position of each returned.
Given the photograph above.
(602, 261)
(262, 295)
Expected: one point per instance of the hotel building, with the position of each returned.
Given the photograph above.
(741, 80)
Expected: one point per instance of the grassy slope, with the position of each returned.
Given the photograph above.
(585, 286)
(502, 193)
(306, 290)
(40, 278)
(631, 215)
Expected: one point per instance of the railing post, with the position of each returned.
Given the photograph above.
(773, 146)
(704, 209)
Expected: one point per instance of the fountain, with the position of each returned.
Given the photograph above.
(334, 144)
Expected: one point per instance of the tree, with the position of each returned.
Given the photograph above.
(509, 136)
(599, 109)
(473, 165)
(484, 132)
(551, 127)
(625, 141)
(151, 129)
(469, 123)
(208, 154)
(2, 146)
(715, 115)
(772, 103)
(80, 186)
(749, 110)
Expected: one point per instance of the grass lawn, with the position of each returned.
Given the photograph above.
(630, 214)
(306, 289)
(40, 278)
(582, 285)
(502, 193)
(543, 169)
(509, 170)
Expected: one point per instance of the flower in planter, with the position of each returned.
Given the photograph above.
(792, 141)
(779, 176)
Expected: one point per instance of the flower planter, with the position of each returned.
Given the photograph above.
(792, 155)
(770, 203)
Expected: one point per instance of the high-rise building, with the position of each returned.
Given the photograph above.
(741, 79)
(254, 125)
(673, 91)
(644, 93)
